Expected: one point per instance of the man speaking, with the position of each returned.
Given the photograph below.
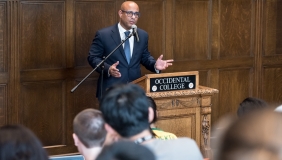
(123, 66)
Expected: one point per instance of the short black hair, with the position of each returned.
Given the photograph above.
(125, 109)
(89, 126)
(18, 142)
(126, 150)
(250, 104)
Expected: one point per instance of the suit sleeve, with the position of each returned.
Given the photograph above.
(147, 60)
(96, 53)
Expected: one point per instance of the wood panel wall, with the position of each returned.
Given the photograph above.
(235, 44)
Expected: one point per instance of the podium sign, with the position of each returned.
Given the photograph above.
(172, 83)
(164, 82)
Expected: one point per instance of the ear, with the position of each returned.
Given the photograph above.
(120, 13)
(75, 139)
(150, 114)
(109, 129)
(112, 133)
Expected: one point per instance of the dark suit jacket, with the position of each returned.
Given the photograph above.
(104, 42)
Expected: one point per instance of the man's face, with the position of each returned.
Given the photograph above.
(126, 20)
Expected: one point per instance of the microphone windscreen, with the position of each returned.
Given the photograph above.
(134, 26)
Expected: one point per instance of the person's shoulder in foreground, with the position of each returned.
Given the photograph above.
(126, 150)
(176, 149)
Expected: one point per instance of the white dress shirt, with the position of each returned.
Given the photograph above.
(122, 37)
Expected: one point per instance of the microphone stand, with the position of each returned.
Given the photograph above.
(102, 66)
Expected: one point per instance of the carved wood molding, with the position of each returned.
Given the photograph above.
(205, 110)
(177, 103)
(205, 130)
(202, 90)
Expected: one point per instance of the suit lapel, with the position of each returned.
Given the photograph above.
(116, 38)
(135, 49)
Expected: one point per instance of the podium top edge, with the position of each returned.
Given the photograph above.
(139, 79)
(172, 74)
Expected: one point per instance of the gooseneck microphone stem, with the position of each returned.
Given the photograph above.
(100, 64)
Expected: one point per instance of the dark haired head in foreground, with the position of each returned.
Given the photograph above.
(125, 150)
(19, 143)
(249, 105)
(125, 109)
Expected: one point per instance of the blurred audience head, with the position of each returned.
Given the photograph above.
(249, 105)
(19, 143)
(126, 150)
(218, 130)
(125, 109)
(89, 129)
(256, 136)
(152, 104)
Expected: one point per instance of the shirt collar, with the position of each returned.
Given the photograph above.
(122, 30)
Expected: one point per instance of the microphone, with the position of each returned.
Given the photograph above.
(134, 27)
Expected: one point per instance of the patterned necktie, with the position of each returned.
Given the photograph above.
(127, 47)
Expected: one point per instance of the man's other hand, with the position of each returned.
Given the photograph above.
(113, 71)
(163, 64)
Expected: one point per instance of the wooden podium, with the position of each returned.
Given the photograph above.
(183, 107)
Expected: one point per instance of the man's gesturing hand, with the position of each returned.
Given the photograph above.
(113, 71)
(162, 64)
